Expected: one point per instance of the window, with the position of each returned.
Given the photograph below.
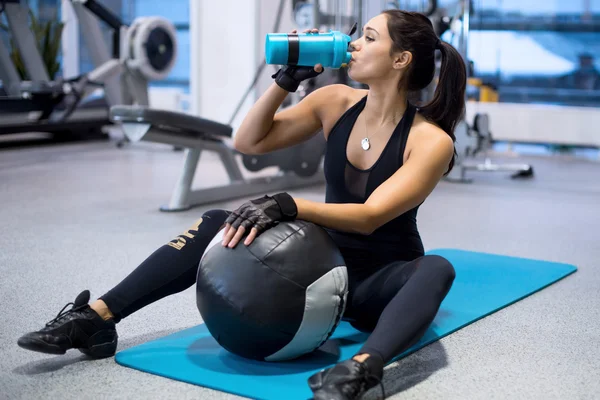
(537, 51)
(177, 12)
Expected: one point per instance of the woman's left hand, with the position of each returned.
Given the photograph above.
(256, 216)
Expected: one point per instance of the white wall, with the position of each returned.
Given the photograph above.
(538, 123)
(223, 57)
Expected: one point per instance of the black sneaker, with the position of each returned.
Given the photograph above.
(78, 328)
(347, 380)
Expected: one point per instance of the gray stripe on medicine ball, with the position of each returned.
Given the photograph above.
(325, 304)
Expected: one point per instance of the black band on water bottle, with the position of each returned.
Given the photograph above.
(293, 49)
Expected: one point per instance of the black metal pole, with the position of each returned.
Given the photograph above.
(104, 14)
(111, 20)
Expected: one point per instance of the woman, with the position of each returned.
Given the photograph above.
(383, 158)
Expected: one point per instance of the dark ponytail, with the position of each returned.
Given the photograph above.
(447, 107)
(414, 32)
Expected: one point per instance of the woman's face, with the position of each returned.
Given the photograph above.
(371, 59)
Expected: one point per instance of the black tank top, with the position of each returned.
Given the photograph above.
(398, 239)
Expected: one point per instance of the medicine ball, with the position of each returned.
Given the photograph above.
(277, 299)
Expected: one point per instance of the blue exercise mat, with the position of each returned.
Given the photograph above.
(484, 283)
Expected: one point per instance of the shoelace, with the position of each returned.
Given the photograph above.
(379, 382)
(62, 314)
(364, 379)
(369, 376)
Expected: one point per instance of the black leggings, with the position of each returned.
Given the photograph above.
(397, 303)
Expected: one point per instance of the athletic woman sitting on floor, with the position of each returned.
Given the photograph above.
(383, 158)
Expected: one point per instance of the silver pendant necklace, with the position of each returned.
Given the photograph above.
(365, 144)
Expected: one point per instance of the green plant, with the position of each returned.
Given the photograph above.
(48, 35)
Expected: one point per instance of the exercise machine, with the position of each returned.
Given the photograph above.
(473, 141)
(197, 135)
(142, 52)
(39, 104)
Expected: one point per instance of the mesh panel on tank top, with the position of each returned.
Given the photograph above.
(356, 181)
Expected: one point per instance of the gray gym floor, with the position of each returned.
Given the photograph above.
(82, 216)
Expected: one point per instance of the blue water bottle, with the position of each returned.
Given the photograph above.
(308, 49)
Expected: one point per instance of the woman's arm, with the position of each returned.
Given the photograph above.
(345, 217)
(263, 131)
(406, 189)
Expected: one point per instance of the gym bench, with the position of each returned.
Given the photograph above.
(198, 134)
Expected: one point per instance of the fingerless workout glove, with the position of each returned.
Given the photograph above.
(289, 77)
(264, 213)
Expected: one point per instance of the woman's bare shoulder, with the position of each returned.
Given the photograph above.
(336, 100)
(425, 127)
(426, 134)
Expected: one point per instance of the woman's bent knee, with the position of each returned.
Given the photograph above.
(217, 214)
(440, 266)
